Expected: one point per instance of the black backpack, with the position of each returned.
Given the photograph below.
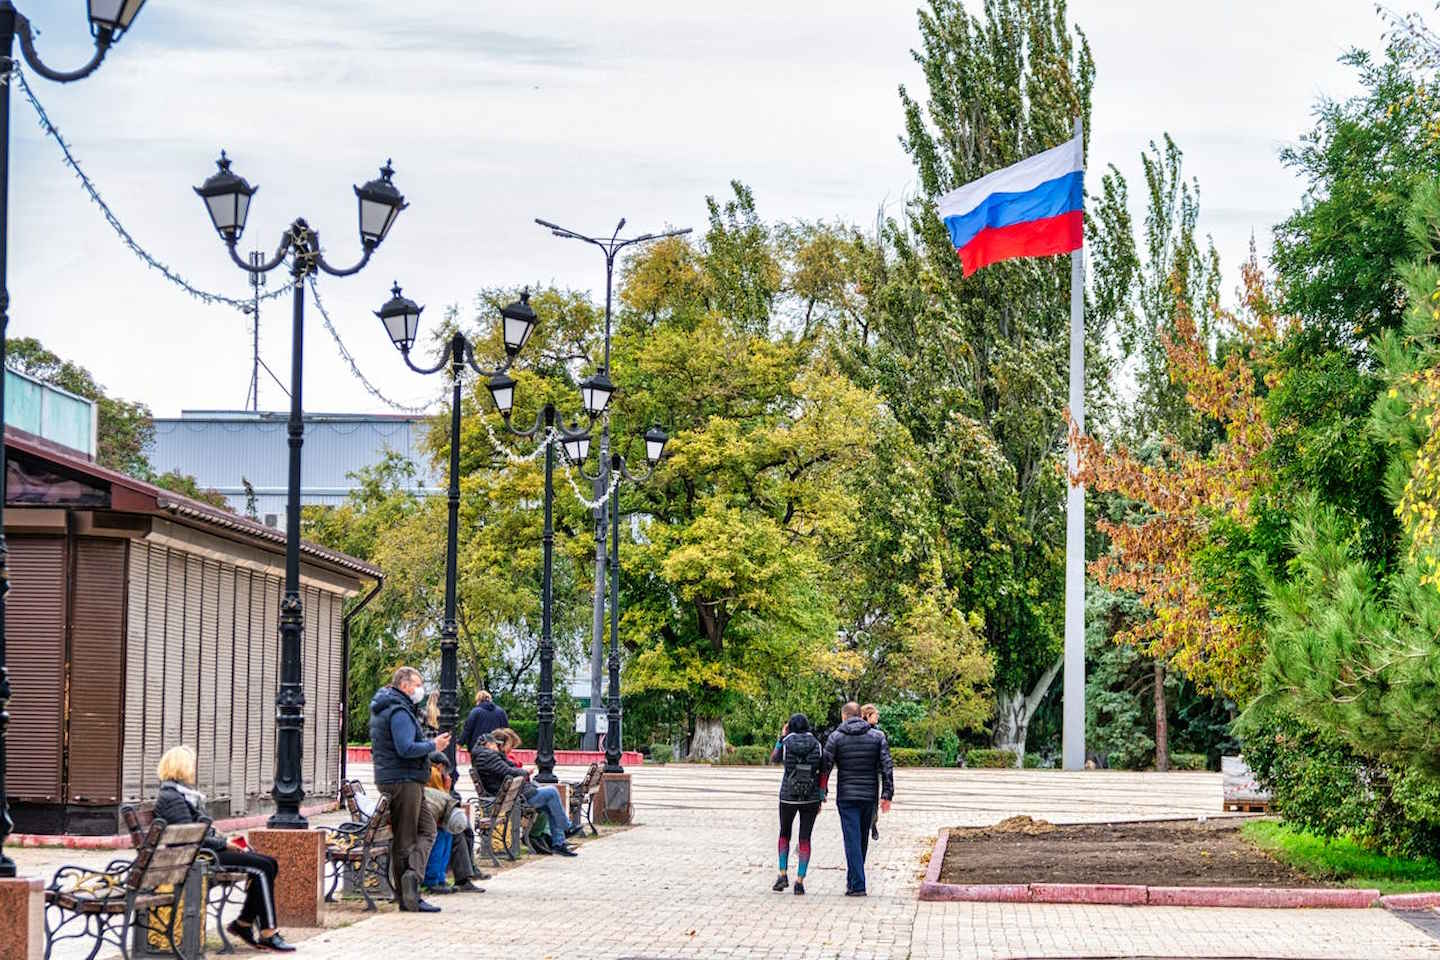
(802, 777)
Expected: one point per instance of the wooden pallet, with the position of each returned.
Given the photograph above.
(1247, 806)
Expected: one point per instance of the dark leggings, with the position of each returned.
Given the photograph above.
(259, 907)
(808, 812)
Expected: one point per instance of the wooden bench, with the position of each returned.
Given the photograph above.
(582, 797)
(361, 852)
(222, 883)
(496, 814)
(108, 903)
(354, 800)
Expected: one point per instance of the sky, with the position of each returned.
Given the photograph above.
(576, 112)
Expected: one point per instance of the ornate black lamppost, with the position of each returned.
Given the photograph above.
(655, 440)
(227, 198)
(611, 248)
(402, 320)
(577, 444)
(109, 19)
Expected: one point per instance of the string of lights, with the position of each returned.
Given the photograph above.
(349, 358)
(46, 124)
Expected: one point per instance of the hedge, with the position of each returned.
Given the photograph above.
(660, 752)
(1188, 761)
(754, 755)
(987, 758)
(915, 757)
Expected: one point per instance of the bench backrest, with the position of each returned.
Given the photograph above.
(590, 783)
(166, 854)
(137, 822)
(509, 795)
(377, 828)
(360, 807)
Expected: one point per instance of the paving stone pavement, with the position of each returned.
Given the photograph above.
(692, 879)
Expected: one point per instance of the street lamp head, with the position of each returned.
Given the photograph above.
(519, 323)
(577, 448)
(502, 391)
(401, 317)
(114, 16)
(595, 392)
(380, 204)
(227, 198)
(655, 440)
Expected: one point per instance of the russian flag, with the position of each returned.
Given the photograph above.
(1035, 208)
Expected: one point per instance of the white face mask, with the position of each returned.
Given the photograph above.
(417, 694)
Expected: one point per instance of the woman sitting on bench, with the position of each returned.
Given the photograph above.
(179, 802)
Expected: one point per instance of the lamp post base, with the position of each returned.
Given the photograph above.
(22, 904)
(612, 802)
(301, 856)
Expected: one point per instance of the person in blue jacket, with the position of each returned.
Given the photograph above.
(487, 717)
(402, 768)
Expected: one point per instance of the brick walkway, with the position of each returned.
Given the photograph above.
(692, 881)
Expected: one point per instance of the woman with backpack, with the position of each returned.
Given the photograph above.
(801, 793)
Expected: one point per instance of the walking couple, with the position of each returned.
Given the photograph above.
(859, 754)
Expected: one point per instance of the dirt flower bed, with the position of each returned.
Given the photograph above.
(1185, 853)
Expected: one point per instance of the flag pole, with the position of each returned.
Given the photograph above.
(1073, 735)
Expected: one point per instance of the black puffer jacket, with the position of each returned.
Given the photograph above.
(861, 755)
(172, 806)
(800, 752)
(491, 768)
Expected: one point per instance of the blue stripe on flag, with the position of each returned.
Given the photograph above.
(1049, 199)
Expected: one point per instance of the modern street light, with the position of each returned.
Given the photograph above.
(109, 19)
(227, 198)
(401, 318)
(575, 439)
(596, 398)
(655, 440)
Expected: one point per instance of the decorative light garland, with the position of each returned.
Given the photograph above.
(345, 354)
(46, 124)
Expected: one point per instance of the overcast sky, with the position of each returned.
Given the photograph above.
(575, 111)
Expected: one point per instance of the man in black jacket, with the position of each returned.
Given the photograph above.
(402, 768)
(487, 717)
(860, 755)
(492, 769)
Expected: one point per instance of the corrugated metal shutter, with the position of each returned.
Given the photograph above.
(157, 683)
(325, 759)
(258, 685)
(35, 647)
(97, 675)
(206, 672)
(224, 684)
(270, 644)
(309, 664)
(192, 653)
(174, 651)
(132, 775)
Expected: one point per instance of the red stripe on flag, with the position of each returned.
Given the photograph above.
(1035, 238)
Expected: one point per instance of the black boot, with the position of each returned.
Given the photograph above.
(781, 882)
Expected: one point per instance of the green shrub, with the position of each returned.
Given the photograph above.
(1033, 761)
(660, 752)
(754, 755)
(912, 757)
(987, 758)
(529, 731)
(948, 743)
(1188, 761)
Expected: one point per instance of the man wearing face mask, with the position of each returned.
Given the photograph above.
(402, 768)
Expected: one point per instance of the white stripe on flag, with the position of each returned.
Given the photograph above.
(1025, 175)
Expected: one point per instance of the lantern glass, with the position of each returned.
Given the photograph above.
(577, 449)
(113, 15)
(502, 391)
(595, 393)
(655, 440)
(518, 323)
(401, 317)
(380, 203)
(227, 200)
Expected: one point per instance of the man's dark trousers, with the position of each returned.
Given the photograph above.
(855, 820)
(407, 801)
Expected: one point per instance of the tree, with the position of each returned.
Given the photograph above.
(975, 368)
(1153, 554)
(124, 429)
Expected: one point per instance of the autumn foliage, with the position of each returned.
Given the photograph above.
(1179, 497)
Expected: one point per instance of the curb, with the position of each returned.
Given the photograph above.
(1133, 895)
(121, 841)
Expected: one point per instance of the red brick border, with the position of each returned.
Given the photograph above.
(1132, 895)
(121, 841)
